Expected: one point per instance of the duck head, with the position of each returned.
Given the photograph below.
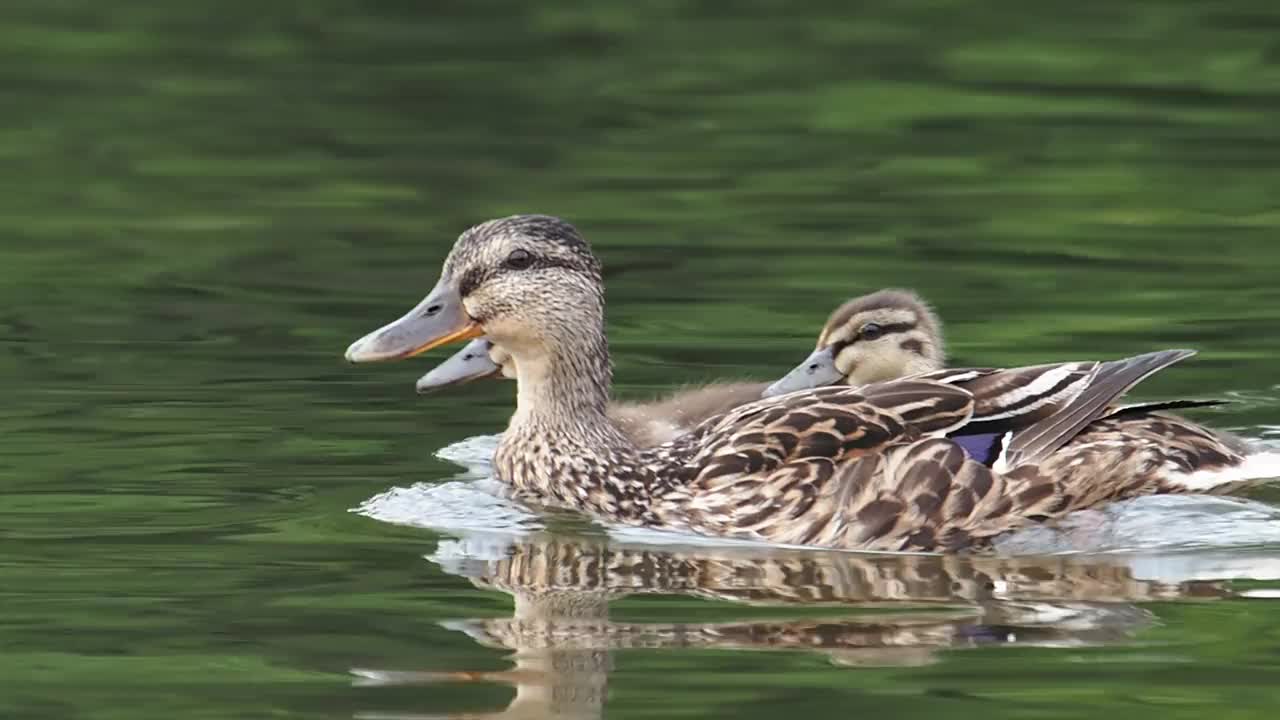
(530, 284)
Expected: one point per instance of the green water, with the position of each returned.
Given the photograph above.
(204, 203)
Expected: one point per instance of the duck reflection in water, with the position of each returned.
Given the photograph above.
(562, 638)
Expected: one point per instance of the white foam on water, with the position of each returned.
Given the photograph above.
(1155, 522)
(474, 453)
(454, 506)
(473, 501)
(470, 554)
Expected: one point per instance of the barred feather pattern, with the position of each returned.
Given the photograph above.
(1128, 456)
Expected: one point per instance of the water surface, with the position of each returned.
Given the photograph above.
(204, 204)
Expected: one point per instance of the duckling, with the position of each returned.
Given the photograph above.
(886, 335)
(876, 467)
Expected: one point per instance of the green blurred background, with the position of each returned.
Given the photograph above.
(203, 203)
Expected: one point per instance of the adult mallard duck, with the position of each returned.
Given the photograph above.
(874, 467)
(658, 421)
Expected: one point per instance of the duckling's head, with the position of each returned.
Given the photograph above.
(528, 282)
(887, 334)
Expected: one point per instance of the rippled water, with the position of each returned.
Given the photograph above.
(205, 203)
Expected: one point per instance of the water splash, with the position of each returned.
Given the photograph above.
(1156, 522)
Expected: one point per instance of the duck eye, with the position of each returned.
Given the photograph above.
(519, 259)
(870, 331)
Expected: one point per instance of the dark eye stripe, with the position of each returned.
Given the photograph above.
(889, 329)
(471, 280)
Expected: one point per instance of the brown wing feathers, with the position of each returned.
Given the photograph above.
(833, 422)
(922, 496)
(870, 467)
(1109, 381)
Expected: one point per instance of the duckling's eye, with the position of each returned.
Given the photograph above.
(519, 259)
(870, 331)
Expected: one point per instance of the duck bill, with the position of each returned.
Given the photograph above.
(438, 320)
(470, 363)
(817, 370)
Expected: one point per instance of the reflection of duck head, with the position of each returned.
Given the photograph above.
(562, 637)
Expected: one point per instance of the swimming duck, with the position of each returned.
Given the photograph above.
(880, 467)
(911, 343)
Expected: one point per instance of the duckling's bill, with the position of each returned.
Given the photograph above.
(438, 320)
(472, 362)
(817, 370)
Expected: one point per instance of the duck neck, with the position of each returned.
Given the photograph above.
(561, 444)
(559, 388)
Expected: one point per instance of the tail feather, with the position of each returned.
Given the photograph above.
(1110, 380)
